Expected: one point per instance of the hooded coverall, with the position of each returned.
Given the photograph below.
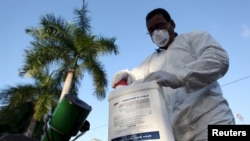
(198, 61)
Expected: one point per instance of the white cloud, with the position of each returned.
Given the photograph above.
(245, 31)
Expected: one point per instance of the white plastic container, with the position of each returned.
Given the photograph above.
(138, 112)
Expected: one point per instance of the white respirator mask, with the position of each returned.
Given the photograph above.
(160, 37)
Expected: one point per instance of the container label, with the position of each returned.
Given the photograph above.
(139, 113)
(132, 117)
(139, 136)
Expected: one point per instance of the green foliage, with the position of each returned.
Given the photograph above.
(15, 120)
(43, 106)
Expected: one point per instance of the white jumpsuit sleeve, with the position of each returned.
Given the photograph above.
(142, 70)
(133, 75)
(211, 61)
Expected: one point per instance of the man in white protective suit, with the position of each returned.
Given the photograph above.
(187, 66)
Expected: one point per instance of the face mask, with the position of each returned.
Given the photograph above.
(160, 37)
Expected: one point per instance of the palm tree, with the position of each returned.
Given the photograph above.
(41, 97)
(69, 49)
(15, 119)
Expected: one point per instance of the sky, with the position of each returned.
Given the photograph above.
(228, 21)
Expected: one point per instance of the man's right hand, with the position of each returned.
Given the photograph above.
(121, 75)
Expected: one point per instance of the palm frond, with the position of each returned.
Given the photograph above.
(106, 45)
(81, 19)
(96, 69)
(19, 94)
(40, 56)
(43, 106)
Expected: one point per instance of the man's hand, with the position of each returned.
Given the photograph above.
(164, 78)
(122, 75)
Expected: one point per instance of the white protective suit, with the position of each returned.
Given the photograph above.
(198, 61)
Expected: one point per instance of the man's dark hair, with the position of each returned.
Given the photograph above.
(158, 11)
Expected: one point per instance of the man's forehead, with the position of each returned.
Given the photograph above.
(156, 19)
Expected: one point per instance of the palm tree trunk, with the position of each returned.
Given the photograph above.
(32, 125)
(67, 84)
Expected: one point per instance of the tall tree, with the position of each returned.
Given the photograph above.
(29, 103)
(15, 119)
(70, 50)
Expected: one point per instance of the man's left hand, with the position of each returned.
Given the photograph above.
(164, 78)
